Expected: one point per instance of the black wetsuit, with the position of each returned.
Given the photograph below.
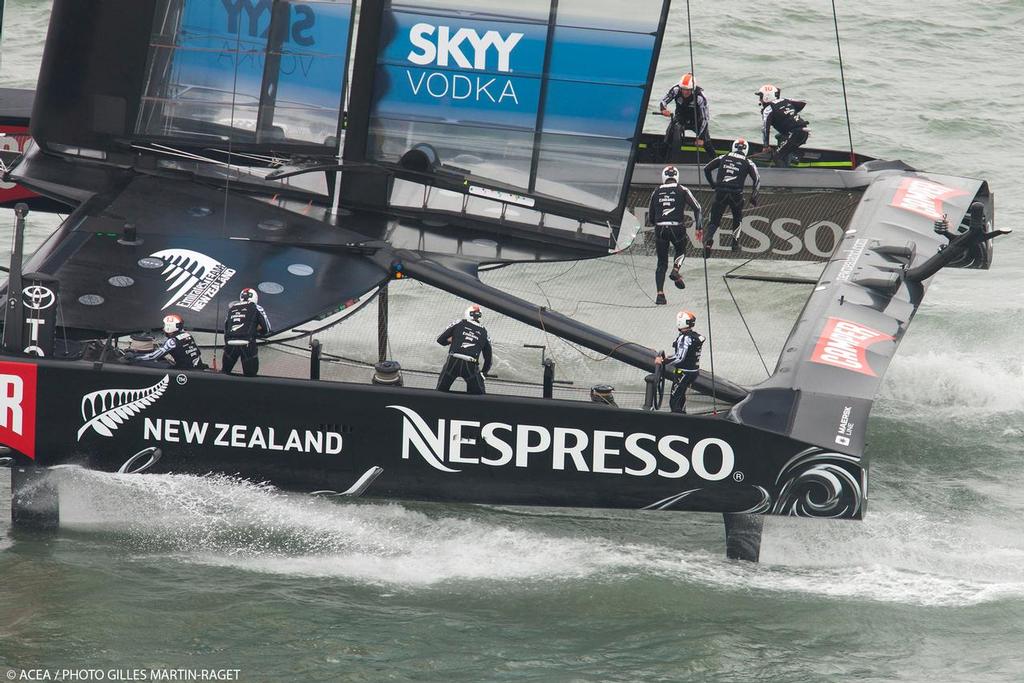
(684, 367)
(245, 322)
(728, 183)
(688, 117)
(784, 116)
(180, 347)
(665, 213)
(466, 341)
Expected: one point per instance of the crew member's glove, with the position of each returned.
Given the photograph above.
(665, 112)
(699, 142)
(700, 235)
(753, 199)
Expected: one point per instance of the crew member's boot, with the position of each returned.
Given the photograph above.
(661, 300)
(674, 276)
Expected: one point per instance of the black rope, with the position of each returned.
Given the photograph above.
(725, 278)
(707, 288)
(842, 77)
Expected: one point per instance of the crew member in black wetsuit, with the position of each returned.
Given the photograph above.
(733, 169)
(246, 321)
(691, 114)
(665, 213)
(178, 351)
(684, 365)
(784, 116)
(466, 339)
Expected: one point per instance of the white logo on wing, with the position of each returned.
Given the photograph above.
(196, 277)
(105, 410)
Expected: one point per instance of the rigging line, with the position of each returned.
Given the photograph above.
(693, 73)
(753, 341)
(227, 181)
(707, 289)
(842, 77)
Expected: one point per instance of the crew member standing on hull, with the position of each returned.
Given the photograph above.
(733, 169)
(466, 339)
(684, 366)
(246, 321)
(784, 116)
(179, 350)
(691, 114)
(665, 213)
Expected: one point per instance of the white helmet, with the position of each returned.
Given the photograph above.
(473, 313)
(687, 82)
(685, 320)
(249, 294)
(670, 174)
(768, 94)
(173, 323)
(740, 146)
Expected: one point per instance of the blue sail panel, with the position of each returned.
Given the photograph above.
(525, 97)
(251, 71)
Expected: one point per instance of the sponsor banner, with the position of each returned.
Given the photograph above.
(39, 299)
(807, 226)
(499, 96)
(195, 277)
(241, 436)
(453, 445)
(18, 406)
(924, 197)
(844, 344)
(106, 411)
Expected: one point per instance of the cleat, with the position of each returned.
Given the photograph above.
(661, 300)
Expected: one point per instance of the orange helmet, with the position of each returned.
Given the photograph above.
(768, 94)
(687, 82)
(685, 320)
(172, 323)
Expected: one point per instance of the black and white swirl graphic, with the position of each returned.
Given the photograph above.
(817, 483)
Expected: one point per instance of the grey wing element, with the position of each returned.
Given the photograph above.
(105, 410)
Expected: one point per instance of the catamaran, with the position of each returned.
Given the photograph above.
(203, 147)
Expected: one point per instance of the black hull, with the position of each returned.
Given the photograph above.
(316, 436)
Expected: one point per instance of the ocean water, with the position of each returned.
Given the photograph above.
(187, 572)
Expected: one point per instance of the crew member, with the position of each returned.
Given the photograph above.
(684, 365)
(466, 339)
(733, 169)
(691, 114)
(665, 213)
(784, 116)
(179, 350)
(246, 321)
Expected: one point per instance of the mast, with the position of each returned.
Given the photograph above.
(15, 318)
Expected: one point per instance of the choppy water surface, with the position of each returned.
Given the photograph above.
(175, 571)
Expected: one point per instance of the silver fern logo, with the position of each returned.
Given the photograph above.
(195, 277)
(105, 410)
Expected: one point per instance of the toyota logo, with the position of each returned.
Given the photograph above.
(38, 297)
